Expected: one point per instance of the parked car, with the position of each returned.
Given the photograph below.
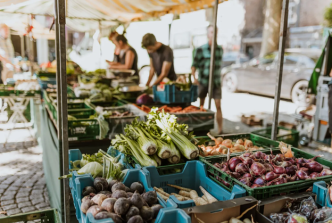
(259, 75)
(233, 57)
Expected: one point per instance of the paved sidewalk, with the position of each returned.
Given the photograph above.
(22, 185)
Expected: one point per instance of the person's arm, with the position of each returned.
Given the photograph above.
(151, 73)
(129, 60)
(331, 73)
(164, 72)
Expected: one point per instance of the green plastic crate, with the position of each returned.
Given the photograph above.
(291, 137)
(49, 215)
(268, 191)
(256, 140)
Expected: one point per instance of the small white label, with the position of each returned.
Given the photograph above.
(72, 139)
(79, 130)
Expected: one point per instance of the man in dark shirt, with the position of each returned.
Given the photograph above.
(161, 59)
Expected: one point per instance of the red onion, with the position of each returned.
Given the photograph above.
(302, 161)
(314, 175)
(291, 160)
(291, 170)
(223, 182)
(244, 155)
(279, 157)
(281, 181)
(245, 181)
(278, 169)
(259, 181)
(259, 155)
(268, 167)
(234, 174)
(217, 165)
(285, 164)
(248, 175)
(255, 186)
(292, 178)
(247, 161)
(258, 169)
(325, 172)
(302, 173)
(241, 168)
(314, 166)
(233, 162)
(271, 176)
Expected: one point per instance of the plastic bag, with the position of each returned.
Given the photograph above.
(279, 217)
(307, 206)
(321, 215)
(297, 218)
(103, 127)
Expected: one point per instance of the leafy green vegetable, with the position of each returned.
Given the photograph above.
(94, 168)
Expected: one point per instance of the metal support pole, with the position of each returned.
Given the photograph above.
(60, 23)
(213, 50)
(22, 47)
(282, 43)
(31, 52)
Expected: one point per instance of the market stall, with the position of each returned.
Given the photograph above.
(154, 161)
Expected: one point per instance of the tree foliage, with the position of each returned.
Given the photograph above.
(328, 16)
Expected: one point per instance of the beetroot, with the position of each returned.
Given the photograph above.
(241, 168)
(258, 169)
(144, 99)
(100, 184)
(233, 163)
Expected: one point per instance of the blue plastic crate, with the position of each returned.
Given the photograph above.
(322, 198)
(77, 207)
(133, 175)
(192, 176)
(171, 95)
(75, 154)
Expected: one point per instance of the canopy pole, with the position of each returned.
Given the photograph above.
(213, 50)
(61, 77)
(22, 46)
(282, 43)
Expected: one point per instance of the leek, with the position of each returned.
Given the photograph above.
(175, 154)
(157, 159)
(132, 148)
(168, 124)
(147, 145)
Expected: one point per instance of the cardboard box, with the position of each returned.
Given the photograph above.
(275, 204)
(224, 210)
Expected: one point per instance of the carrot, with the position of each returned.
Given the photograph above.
(209, 197)
(178, 187)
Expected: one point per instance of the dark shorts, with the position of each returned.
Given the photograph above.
(330, 108)
(203, 91)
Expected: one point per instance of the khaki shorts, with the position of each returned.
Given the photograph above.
(5, 73)
(203, 91)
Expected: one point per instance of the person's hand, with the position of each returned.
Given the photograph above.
(196, 82)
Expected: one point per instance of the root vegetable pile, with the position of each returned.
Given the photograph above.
(222, 145)
(120, 203)
(186, 194)
(174, 110)
(258, 169)
(302, 210)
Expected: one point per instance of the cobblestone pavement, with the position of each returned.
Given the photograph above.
(22, 185)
